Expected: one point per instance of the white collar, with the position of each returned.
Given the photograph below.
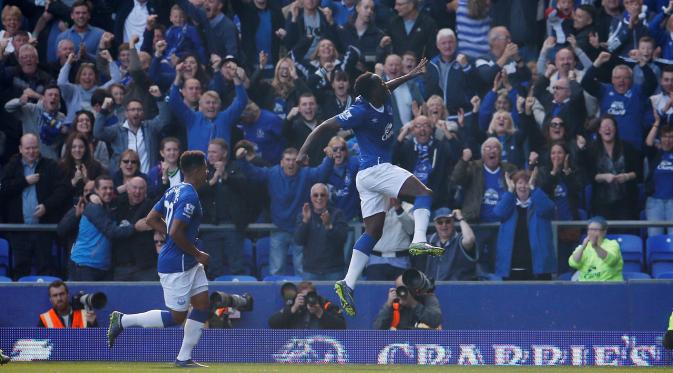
(491, 172)
(379, 109)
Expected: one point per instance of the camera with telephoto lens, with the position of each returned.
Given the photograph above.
(402, 291)
(89, 301)
(220, 299)
(312, 298)
(417, 282)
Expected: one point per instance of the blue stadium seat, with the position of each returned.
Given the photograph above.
(4, 257)
(567, 276)
(46, 279)
(236, 278)
(5, 279)
(661, 267)
(282, 278)
(631, 267)
(659, 249)
(582, 214)
(664, 275)
(631, 247)
(636, 276)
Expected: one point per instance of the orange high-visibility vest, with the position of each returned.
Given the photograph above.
(51, 320)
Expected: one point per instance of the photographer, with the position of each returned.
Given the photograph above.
(308, 310)
(62, 314)
(411, 305)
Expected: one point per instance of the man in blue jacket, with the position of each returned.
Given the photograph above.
(288, 186)
(91, 254)
(209, 122)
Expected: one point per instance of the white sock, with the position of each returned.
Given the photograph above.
(149, 319)
(193, 331)
(358, 263)
(421, 219)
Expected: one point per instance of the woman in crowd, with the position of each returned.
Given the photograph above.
(362, 33)
(162, 71)
(282, 94)
(167, 173)
(11, 23)
(614, 169)
(98, 149)
(598, 258)
(318, 70)
(512, 138)
(129, 167)
(77, 163)
(524, 250)
(659, 186)
(78, 96)
(562, 182)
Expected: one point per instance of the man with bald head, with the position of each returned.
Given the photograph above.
(322, 230)
(134, 259)
(33, 191)
(503, 56)
(565, 101)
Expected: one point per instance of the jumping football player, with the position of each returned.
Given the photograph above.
(371, 118)
(180, 264)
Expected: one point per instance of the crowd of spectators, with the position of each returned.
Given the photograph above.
(524, 107)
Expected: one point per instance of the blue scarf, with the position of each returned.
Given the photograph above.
(50, 128)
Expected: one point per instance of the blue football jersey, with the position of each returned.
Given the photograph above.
(180, 202)
(373, 128)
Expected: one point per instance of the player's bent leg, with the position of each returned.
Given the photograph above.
(361, 251)
(422, 204)
(193, 330)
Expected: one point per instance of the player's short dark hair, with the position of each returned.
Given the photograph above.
(192, 160)
(52, 86)
(100, 178)
(647, 39)
(364, 85)
(307, 95)
(667, 341)
(57, 284)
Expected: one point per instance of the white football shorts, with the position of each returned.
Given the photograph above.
(179, 287)
(377, 184)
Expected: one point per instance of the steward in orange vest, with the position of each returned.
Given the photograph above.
(61, 315)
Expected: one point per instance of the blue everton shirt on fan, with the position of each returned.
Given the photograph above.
(663, 177)
(493, 190)
(266, 133)
(628, 109)
(563, 211)
(180, 202)
(373, 129)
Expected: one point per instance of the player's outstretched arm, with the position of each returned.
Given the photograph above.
(416, 71)
(326, 126)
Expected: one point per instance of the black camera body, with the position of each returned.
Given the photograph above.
(312, 298)
(402, 291)
(84, 301)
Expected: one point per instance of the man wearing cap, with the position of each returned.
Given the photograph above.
(458, 263)
(598, 258)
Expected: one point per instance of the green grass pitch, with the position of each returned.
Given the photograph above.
(69, 367)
